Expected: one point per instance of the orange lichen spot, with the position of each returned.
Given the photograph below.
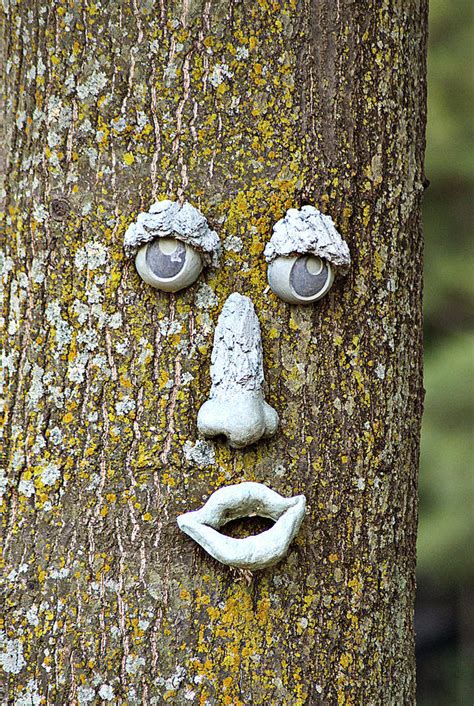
(227, 682)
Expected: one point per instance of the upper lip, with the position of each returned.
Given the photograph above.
(241, 500)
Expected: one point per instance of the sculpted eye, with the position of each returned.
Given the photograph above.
(168, 264)
(171, 242)
(301, 279)
(303, 254)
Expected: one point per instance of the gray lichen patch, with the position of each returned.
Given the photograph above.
(171, 219)
(201, 453)
(308, 231)
(12, 660)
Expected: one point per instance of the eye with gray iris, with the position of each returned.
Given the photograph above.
(168, 264)
(165, 257)
(300, 279)
(308, 276)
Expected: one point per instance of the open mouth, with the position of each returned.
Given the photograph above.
(244, 500)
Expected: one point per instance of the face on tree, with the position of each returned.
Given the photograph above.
(172, 243)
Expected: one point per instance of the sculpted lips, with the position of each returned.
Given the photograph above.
(242, 500)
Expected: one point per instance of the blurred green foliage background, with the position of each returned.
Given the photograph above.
(445, 607)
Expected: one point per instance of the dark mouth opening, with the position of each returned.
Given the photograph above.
(246, 527)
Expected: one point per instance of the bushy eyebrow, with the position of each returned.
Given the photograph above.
(169, 218)
(310, 232)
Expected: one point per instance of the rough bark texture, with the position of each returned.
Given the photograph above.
(245, 108)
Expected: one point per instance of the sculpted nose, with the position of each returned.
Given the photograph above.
(236, 407)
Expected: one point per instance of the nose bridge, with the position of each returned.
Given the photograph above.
(236, 406)
(237, 358)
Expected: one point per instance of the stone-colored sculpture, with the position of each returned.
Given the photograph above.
(170, 219)
(171, 244)
(309, 232)
(236, 407)
(303, 254)
(301, 279)
(242, 500)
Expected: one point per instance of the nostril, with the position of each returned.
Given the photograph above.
(240, 420)
(209, 419)
(220, 438)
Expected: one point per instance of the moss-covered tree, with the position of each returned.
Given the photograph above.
(244, 108)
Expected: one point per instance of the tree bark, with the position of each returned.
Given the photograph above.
(245, 108)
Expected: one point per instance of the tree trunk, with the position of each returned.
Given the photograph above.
(245, 108)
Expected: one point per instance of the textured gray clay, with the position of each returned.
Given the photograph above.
(236, 407)
(242, 500)
(308, 231)
(170, 219)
